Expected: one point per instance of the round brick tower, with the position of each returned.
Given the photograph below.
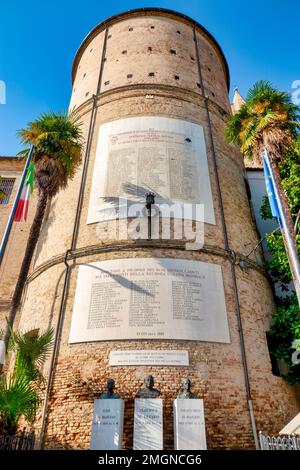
(155, 73)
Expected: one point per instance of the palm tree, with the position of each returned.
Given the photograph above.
(32, 350)
(17, 398)
(267, 120)
(57, 142)
(19, 391)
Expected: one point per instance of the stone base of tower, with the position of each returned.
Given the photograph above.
(226, 414)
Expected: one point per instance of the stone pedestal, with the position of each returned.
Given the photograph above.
(189, 425)
(148, 424)
(107, 427)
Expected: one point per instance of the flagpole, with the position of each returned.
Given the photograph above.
(291, 249)
(14, 207)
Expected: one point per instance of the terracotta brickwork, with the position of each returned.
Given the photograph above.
(159, 45)
(216, 370)
(11, 168)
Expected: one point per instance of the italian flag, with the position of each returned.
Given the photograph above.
(22, 207)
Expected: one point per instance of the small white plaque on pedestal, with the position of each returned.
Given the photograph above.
(107, 427)
(148, 424)
(189, 424)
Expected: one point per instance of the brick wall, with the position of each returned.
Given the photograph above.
(11, 167)
(216, 370)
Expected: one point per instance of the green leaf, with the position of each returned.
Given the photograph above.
(23, 153)
(58, 142)
(19, 390)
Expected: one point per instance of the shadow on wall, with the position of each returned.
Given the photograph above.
(132, 190)
(56, 444)
(123, 281)
(56, 299)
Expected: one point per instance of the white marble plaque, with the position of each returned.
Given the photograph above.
(149, 357)
(293, 427)
(149, 298)
(189, 424)
(148, 424)
(150, 153)
(107, 426)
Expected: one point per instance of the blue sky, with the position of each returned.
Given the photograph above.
(38, 40)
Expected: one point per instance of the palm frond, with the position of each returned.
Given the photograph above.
(57, 137)
(234, 125)
(18, 390)
(268, 117)
(32, 351)
(17, 398)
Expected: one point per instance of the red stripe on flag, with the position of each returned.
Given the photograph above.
(22, 207)
(19, 210)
